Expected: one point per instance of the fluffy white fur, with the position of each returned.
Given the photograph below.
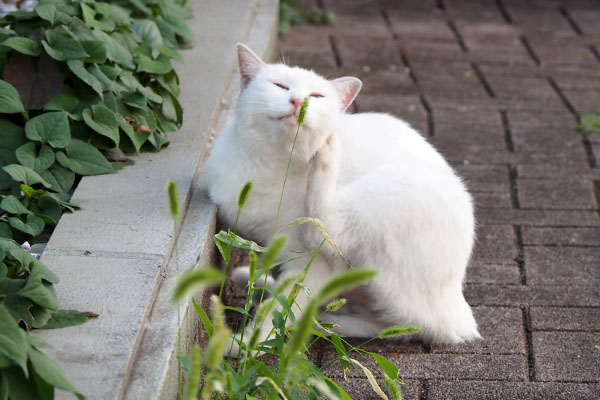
(388, 198)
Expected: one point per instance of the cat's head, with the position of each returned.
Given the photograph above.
(273, 93)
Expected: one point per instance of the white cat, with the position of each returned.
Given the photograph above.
(389, 199)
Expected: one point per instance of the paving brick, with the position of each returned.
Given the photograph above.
(547, 140)
(586, 19)
(572, 52)
(360, 388)
(448, 79)
(544, 21)
(539, 217)
(487, 178)
(376, 54)
(408, 108)
(535, 91)
(450, 366)
(584, 101)
(369, 27)
(491, 199)
(461, 366)
(475, 10)
(476, 390)
(566, 356)
(561, 236)
(563, 318)
(554, 193)
(441, 50)
(552, 171)
(407, 28)
(493, 273)
(352, 7)
(522, 295)
(394, 81)
(562, 265)
(502, 331)
(495, 244)
(297, 48)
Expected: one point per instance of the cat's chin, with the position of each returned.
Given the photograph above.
(289, 121)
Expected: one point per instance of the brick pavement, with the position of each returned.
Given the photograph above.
(495, 85)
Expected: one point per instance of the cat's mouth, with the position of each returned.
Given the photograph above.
(288, 115)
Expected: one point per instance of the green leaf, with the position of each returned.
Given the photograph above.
(5, 232)
(33, 226)
(374, 385)
(89, 16)
(224, 248)
(114, 13)
(23, 174)
(145, 31)
(96, 50)
(335, 305)
(40, 162)
(12, 205)
(84, 159)
(115, 50)
(49, 128)
(337, 388)
(47, 10)
(13, 343)
(160, 66)
(203, 318)
(103, 121)
(59, 177)
(11, 137)
(65, 100)
(239, 242)
(39, 292)
(344, 281)
(50, 372)
(22, 45)
(40, 315)
(302, 330)
(65, 318)
(195, 279)
(78, 68)
(10, 101)
(387, 366)
(62, 47)
(398, 331)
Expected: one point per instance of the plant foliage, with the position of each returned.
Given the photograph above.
(292, 13)
(82, 84)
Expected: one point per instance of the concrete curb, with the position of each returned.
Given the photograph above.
(115, 257)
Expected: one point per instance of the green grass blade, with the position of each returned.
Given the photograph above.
(344, 281)
(195, 279)
(320, 226)
(398, 331)
(208, 326)
(191, 389)
(335, 386)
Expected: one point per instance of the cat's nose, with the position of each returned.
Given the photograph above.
(296, 101)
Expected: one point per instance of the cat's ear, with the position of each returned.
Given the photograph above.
(249, 62)
(347, 88)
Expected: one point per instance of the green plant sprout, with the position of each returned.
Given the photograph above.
(590, 123)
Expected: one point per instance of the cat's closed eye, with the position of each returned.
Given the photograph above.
(281, 85)
(317, 95)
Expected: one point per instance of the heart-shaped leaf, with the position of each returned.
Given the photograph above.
(10, 101)
(33, 226)
(96, 50)
(115, 51)
(77, 67)
(23, 174)
(84, 159)
(12, 205)
(59, 177)
(22, 45)
(62, 47)
(49, 128)
(160, 66)
(40, 162)
(12, 339)
(104, 121)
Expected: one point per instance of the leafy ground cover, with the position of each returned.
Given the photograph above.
(83, 84)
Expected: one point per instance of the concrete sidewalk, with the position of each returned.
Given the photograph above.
(496, 86)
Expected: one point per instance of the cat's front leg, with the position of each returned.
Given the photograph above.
(321, 189)
(322, 179)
